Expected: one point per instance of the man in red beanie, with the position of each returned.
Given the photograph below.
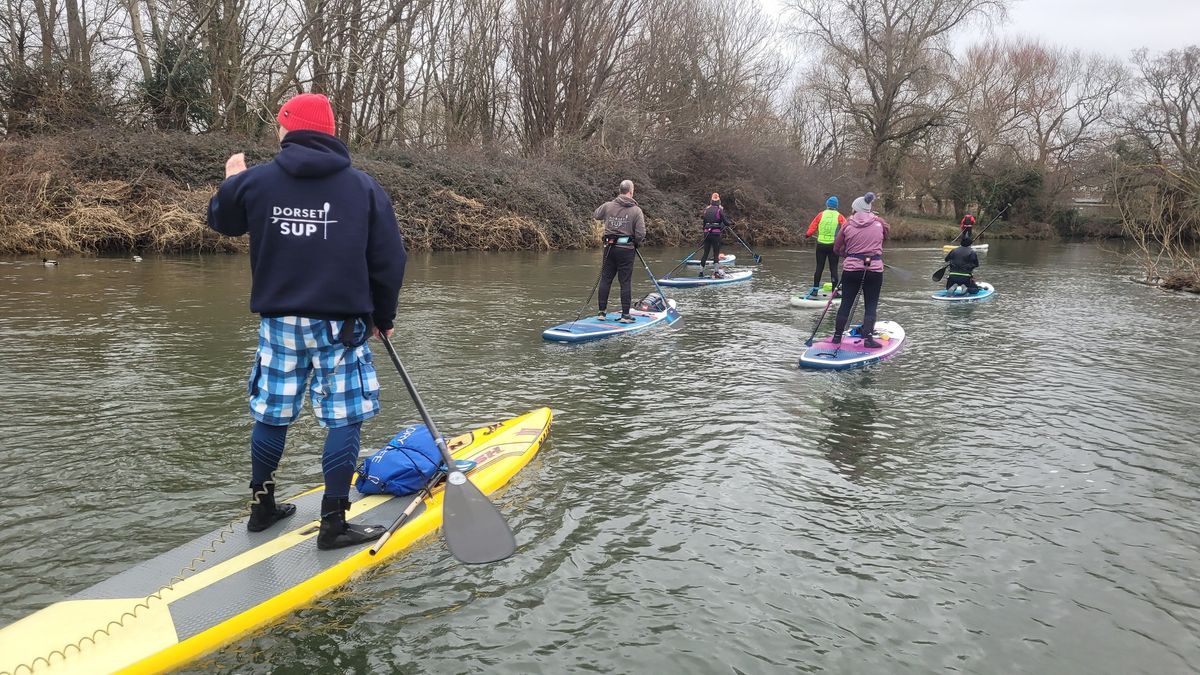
(327, 262)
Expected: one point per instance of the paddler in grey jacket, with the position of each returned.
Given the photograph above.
(624, 231)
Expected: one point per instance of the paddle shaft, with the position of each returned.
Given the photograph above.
(901, 272)
(647, 268)
(853, 301)
(412, 392)
(757, 257)
(937, 276)
(684, 261)
(828, 304)
(408, 511)
(603, 259)
(961, 231)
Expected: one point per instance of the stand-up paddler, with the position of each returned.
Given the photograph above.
(713, 220)
(624, 231)
(860, 244)
(327, 262)
(825, 225)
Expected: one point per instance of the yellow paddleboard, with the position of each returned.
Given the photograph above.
(209, 592)
(979, 248)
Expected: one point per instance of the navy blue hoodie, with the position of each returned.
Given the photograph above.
(324, 242)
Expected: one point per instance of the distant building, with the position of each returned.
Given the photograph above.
(1089, 200)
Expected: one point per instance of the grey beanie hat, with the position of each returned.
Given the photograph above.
(864, 202)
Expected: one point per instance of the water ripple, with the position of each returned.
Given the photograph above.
(1014, 492)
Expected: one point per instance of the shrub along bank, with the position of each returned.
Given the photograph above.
(107, 191)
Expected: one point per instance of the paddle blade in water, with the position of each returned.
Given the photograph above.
(475, 531)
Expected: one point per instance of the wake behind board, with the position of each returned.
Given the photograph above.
(985, 291)
(142, 621)
(851, 353)
(817, 301)
(725, 260)
(592, 328)
(691, 282)
(978, 248)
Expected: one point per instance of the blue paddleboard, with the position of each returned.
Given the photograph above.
(690, 282)
(985, 291)
(592, 328)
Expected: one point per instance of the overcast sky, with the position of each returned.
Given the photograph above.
(1114, 27)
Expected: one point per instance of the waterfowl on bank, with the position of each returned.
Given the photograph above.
(49, 263)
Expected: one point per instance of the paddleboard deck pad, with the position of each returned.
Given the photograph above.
(689, 282)
(985, 291)
(818, 301)
(592, 328)
(166, 612)
(725, 260)
(851, 353)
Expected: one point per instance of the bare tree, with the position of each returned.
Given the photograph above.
(564, 53)
(888, 61)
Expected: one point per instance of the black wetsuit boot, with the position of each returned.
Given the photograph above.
(264, 512)
(839, 326)
(336, 532)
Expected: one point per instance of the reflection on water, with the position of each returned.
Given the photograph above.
(1014, 492)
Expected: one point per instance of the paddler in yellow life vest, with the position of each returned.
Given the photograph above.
(825, 225)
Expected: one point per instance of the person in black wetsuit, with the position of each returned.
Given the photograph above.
(963, 261)
(715, 221)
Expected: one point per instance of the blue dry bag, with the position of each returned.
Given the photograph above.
(403, 466)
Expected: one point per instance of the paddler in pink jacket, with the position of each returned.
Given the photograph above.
(859, 243)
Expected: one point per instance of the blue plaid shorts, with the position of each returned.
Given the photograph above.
(343, 388)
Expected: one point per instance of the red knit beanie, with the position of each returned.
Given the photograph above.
(307, 111)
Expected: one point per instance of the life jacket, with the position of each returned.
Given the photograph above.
(827, 227)
(714, 220)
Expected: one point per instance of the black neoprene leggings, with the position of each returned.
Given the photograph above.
(617, 263)
(969, 282)
(870, 284)
(711, 242)
(825, 253)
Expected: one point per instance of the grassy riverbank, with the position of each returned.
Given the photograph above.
(108, 191)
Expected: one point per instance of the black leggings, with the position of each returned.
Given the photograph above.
(870, 283)
(825, 252)
(969, 282)
(711, 242)
(618, 262)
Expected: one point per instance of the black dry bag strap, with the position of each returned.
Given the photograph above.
(346, 334)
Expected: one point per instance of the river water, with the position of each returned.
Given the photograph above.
(1015, 492)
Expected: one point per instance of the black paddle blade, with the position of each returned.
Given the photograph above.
(937, 276)
(474, 530)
